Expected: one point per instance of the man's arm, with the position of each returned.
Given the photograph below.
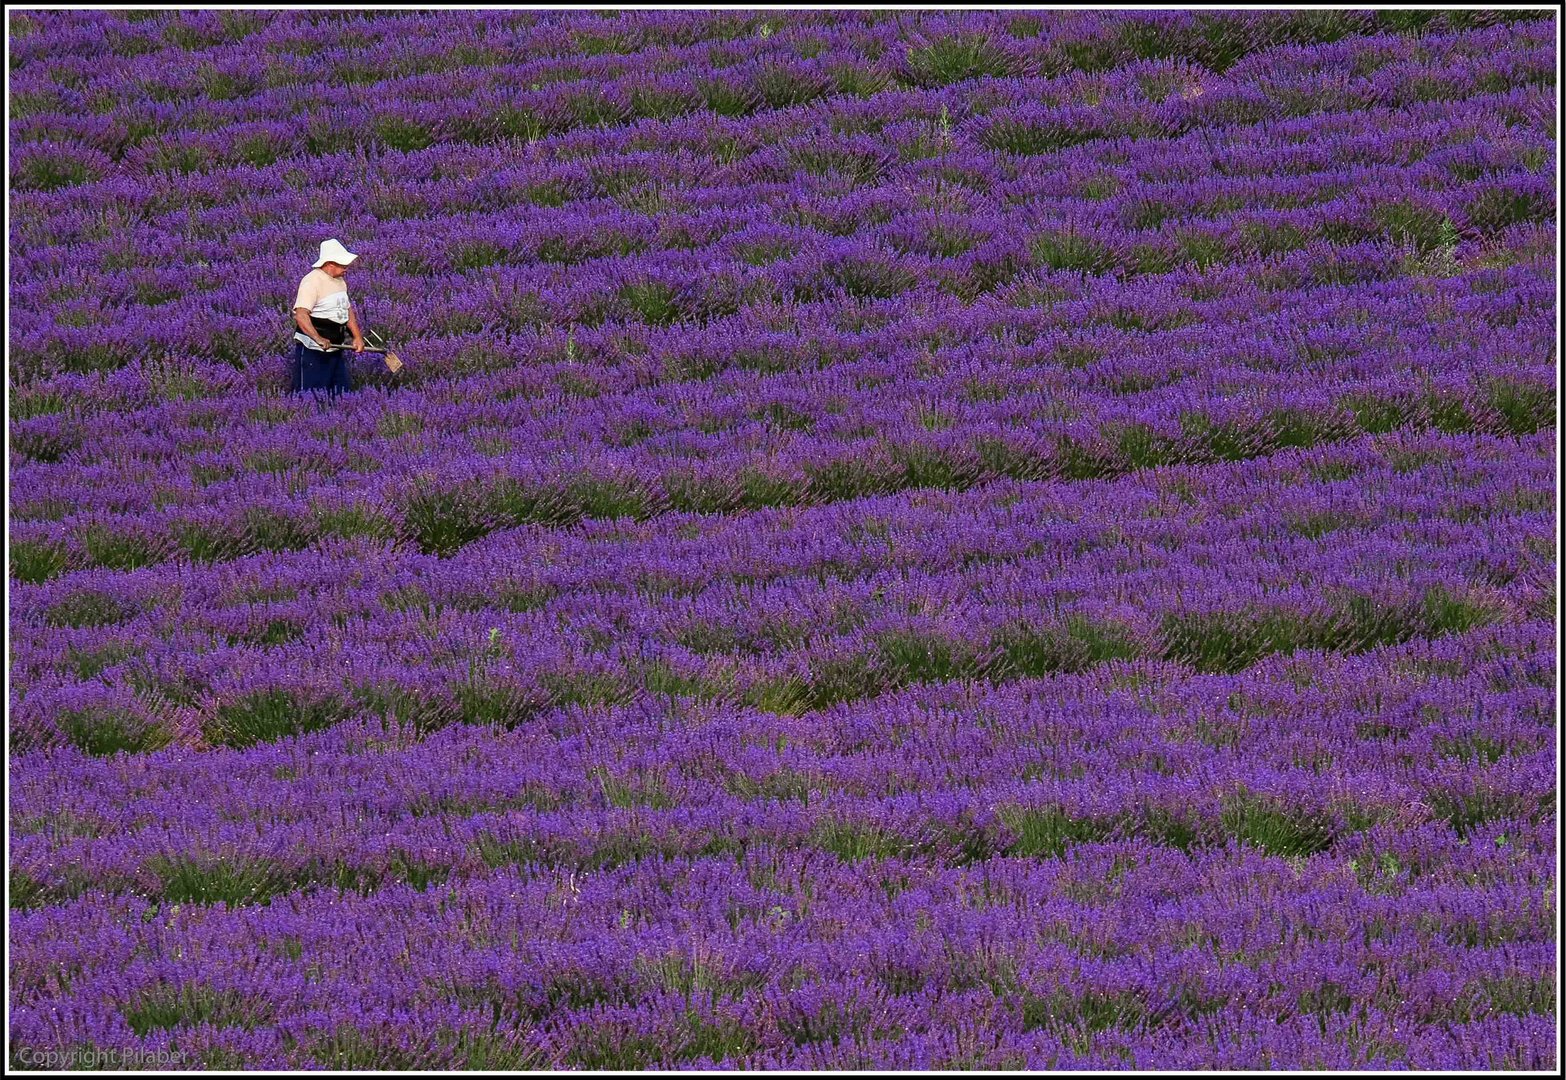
(353, 327)
(302, 320)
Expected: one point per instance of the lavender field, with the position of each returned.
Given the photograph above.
(904, 540)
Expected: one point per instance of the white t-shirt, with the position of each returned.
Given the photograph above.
(327, 299)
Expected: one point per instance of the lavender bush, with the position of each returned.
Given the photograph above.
(905, 540)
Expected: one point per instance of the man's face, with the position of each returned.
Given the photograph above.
(334, 269)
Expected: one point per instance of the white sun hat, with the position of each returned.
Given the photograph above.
(333, 251)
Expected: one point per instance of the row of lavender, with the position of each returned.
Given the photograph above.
(738, 961)
(1508, 69)
(1496, 175)
(666, 887)
(508, 76)
(958, 229)
(1295, 756)
(889, 415)
(582, 372)
(802, 609)
(932, 540)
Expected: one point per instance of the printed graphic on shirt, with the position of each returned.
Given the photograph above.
(327, 299)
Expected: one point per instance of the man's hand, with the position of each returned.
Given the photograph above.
(358, 343)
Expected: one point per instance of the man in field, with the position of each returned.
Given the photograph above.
(325, 319)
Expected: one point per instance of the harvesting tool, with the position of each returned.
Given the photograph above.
(374, 343)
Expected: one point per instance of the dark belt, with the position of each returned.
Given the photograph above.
(335, 333)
